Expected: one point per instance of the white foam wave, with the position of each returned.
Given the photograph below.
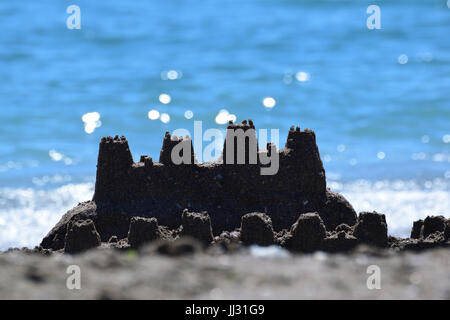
(26, 215)
(401, 201)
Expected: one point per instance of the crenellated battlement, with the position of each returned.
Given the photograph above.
(114, 153)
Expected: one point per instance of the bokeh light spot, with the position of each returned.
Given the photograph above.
(269, 102)
(153, 114)
(164, 98)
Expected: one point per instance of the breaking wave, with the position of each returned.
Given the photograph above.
(401, 201)
(26, 215)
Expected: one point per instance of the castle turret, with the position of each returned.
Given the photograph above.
(147, 161)
(241, 144)
(113, 164)
(302, 152)
(177, 150)
(302, 142)
(298, 140)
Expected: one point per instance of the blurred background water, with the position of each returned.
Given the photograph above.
(377, 99)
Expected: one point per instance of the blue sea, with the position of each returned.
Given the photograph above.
(378, 100)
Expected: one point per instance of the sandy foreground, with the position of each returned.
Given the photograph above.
(248, 274)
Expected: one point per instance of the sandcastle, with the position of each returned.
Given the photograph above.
(147, 188)
(292, 208)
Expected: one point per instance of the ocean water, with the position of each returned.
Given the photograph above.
(379, 100)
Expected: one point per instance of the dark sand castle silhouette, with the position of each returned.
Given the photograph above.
(125, 189)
